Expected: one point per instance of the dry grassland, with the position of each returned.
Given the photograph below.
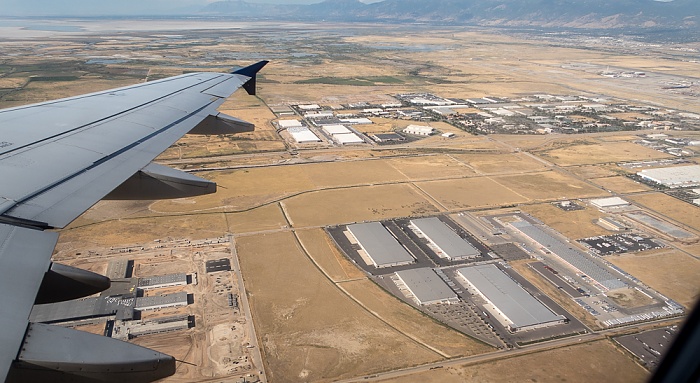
(309, 330)
(574, 224)
(595, 153)
(680, 211)
(430, 167)
(548, 185)
(12, 82)
(471, 192)
(592, 171)
(351, 173)
(323, 251)
(370, 203)
(383, 125)
(115, 233)
(670, 272)
(182, 345)
(530, 142)
(409, 321)
(243, 189)
(496, 163)
(268, 217)
(621, 184)
(597, 361)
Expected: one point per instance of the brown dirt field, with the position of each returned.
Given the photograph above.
(324, 252)
(621, 184)
(670, 272)
(629, 298)
(621, 138)
(430, 167)
(115, 233)
(592, 171)
(597, 361)
(383, 125)
(630, 116)
(692, 249)
(412, 322)
(268, 217)
(593, 153)
(351, 173)
(244, 188)
(328, 207)
(548, 185)
(500, 162)
(471, 192)
(574, 224)
(673, 208)
(309, 330)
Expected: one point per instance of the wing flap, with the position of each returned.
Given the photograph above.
(25, 255)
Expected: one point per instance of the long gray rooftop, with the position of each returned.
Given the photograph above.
(574, 257)
(449, 242)
(511, 299)
(379, 244)
(426, 285)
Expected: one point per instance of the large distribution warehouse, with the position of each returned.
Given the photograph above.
(379, 245)
(574, 258)
(507, 300)
(679, 176)
(426, 286)
(445, 242)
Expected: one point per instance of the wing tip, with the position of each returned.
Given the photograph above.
(251, 70)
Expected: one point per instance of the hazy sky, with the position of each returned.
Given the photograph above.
(118, 7)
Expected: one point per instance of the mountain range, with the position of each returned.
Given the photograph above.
(515, 13)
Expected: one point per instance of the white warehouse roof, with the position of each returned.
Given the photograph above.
(452, 245)
(336, 129)
(516, 304)
(426, 286)
(303, 134)
(289, 123)
(609, 202)
(678, 176)
(348, 138)
(380, 245)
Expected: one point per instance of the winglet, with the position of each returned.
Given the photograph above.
(251, 71)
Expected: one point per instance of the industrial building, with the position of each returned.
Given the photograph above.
(443, 240)
(348, 138)
(675, 177)
(576, 259)
(286, 124)
(427, 288)
(608, 203)
(303, 134)
(611, 224)
(161, 301)
(146, 283)
(379, 245)
(507, 300)
(419, 130)
(357, 121)
(336, 129)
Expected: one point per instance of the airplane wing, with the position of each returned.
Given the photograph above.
(59, 158)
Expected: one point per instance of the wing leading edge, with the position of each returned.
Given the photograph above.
(59, 158)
